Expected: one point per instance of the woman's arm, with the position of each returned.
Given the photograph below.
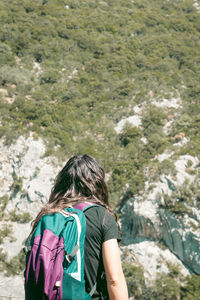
(117, 288)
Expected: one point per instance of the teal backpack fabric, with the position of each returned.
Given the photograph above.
(55, 261)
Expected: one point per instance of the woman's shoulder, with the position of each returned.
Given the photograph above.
(101, 214)
(101, 210)
(98, 210)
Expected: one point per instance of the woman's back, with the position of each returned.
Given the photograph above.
(100, 227)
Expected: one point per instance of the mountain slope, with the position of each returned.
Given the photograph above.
(118, 80)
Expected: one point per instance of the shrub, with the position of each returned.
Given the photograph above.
(14, 75)
(130, 134)
(6, 56)
(16, 265)
(3, 204)
(135, 281)
(49, 76)
(13, 267)
(191, 288)
(24, 217)
(5, 231)
(165, 288)
(17, 184)
(3, 258)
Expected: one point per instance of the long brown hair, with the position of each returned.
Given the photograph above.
(81, 179)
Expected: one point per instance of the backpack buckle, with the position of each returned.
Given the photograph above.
(58, 283)
(69, 258)
(27, 249)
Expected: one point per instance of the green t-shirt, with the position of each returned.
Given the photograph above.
(100, 227)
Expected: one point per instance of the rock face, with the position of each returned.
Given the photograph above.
(179, 238)
(145, 220)
(166, 214)
(11, 287)
(24, 163)
(152, 258)
(26, 177)
(175, 234)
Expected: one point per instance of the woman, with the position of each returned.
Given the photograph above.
(82, 180)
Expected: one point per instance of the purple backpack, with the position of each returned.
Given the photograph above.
(55, 257)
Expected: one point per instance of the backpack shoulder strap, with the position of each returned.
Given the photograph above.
(85, 205)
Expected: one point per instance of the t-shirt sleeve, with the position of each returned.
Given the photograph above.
(110, 228)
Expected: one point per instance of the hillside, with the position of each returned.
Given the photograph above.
(118, 80)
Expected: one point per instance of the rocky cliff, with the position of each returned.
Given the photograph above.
(148, 224)
(26, 177)
(153, 235)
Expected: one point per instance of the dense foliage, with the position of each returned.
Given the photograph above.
(78, 67)
(164, 287)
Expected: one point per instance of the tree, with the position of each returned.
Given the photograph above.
(191, 288)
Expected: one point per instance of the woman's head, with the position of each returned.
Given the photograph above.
(82, 178)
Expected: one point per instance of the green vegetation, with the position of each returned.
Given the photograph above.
(6, 232)
(3, 203)
(108, 44)
(191, 288)
(73, 69)
(166, 286)
(16, 265)
(135, 281)
(15, 215)
(183, 198)
(17, 184)
(25, 217)
(13, 267)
